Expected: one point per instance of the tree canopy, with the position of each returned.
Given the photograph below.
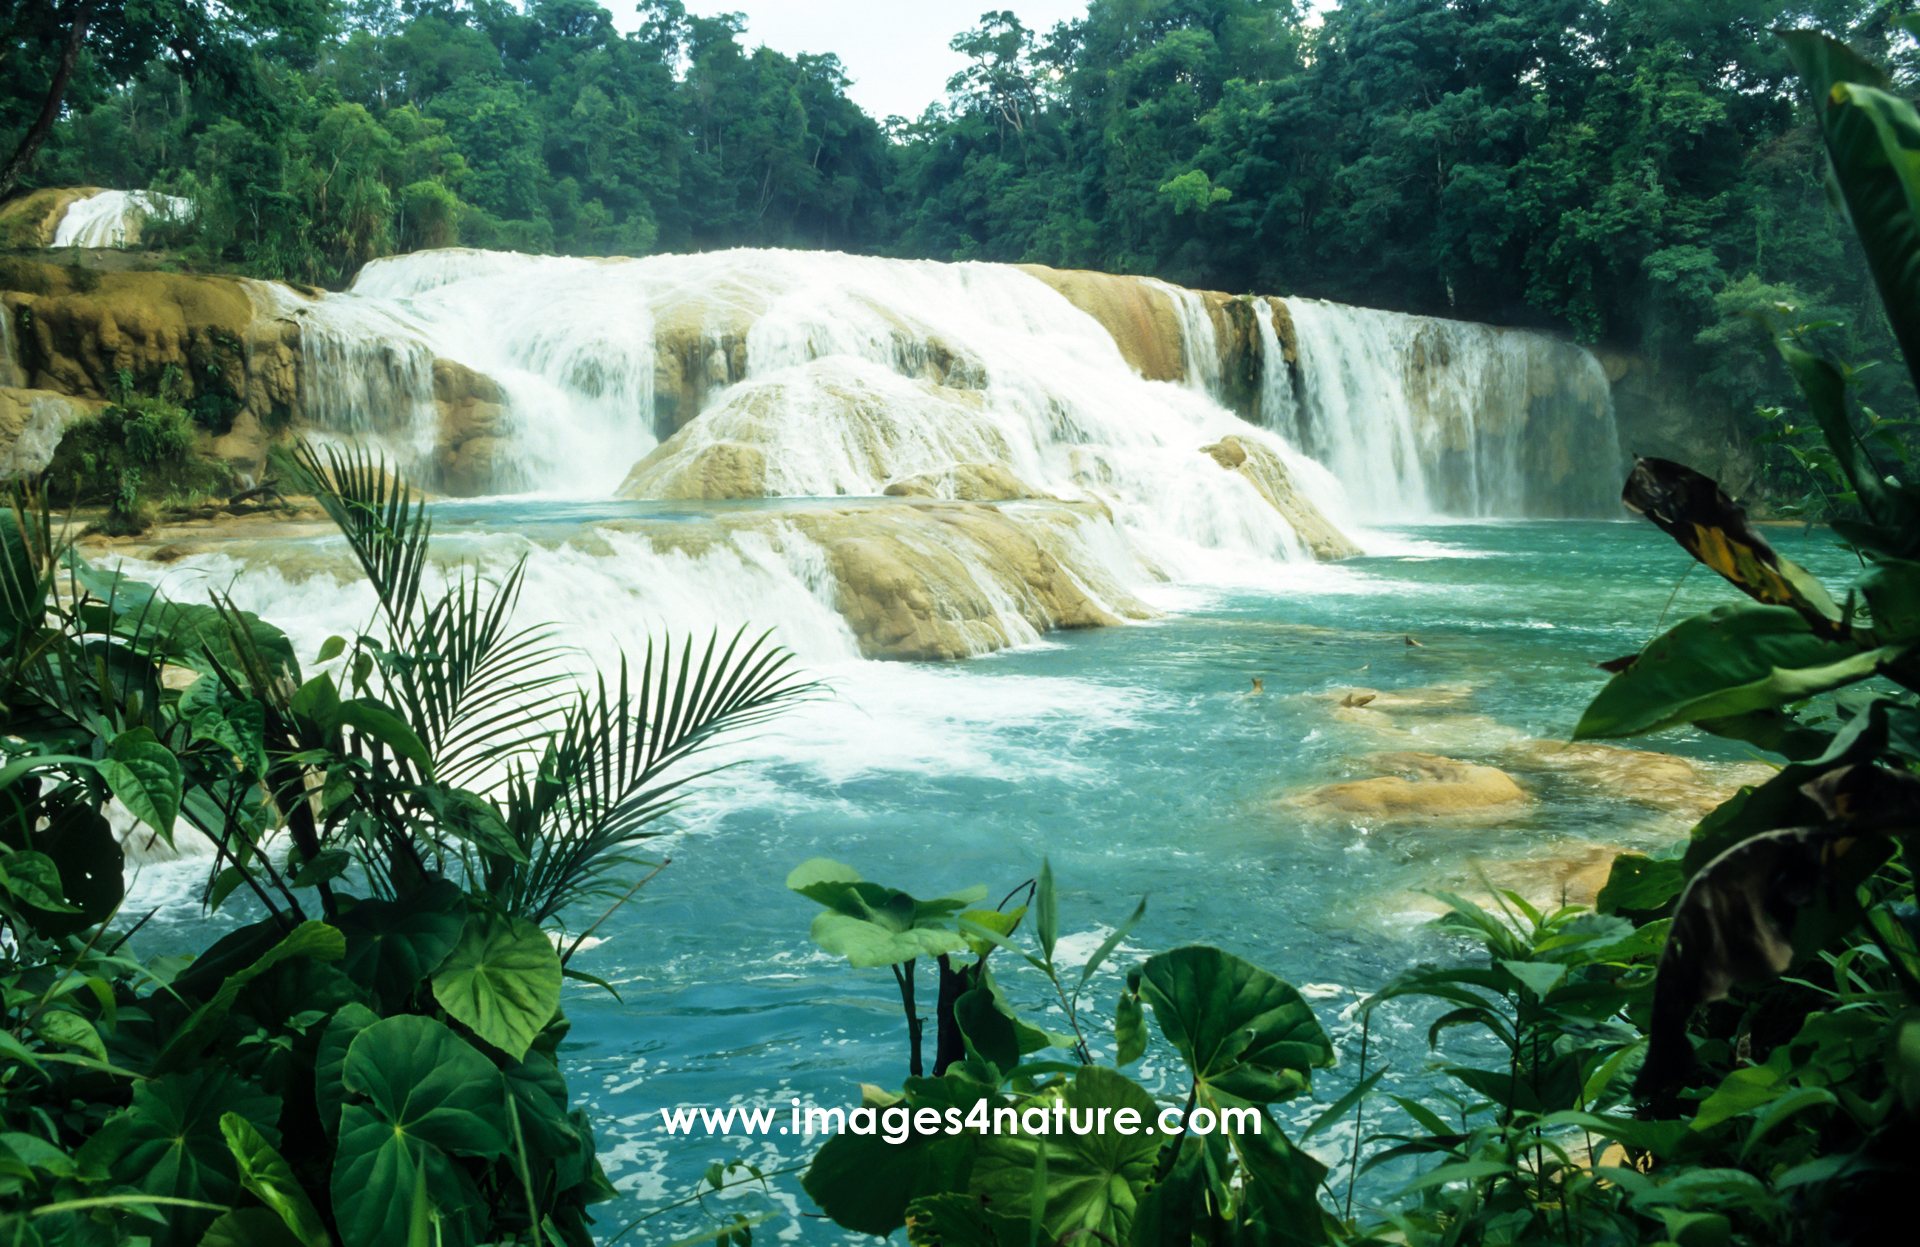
(1625, 171)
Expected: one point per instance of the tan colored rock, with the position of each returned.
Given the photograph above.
(470, 456)
(1421, 785)
(877, 419)
(939, 581)
(31, 424)
(1269, 474)
(1141, 317)
(700, 345)
(33, 219)
(709, 473)
(1680, 787)
(1229, 452)
(964, 482)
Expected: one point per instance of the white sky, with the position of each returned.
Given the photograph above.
(894, 50)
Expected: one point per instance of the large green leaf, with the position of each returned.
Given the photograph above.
(1094, 1179)
(250, 1227)
(34, 879)
(376, 722)
(146, 777)
(196, 635)
(865, 1183)
(1892, 590)
(239, 727)
(92, 866)
(873, 925)
(175, 1147)
(393, 946)
(874, 941)
(1873, 144)
(963, 1221)
(1242, 1030)
(1282, 1185)
(540, 1097)
(265, 1173)
(502, 981)
(1729, 661)
(430, 1096)
(330, 1062)
(309, 939)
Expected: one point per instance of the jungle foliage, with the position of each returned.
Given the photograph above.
(1634, 172)
(409, 830)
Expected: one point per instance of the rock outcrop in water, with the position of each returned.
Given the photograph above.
(473, 454)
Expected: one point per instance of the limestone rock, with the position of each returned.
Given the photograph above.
(940, 581)
(964, 482)
(32, 219)
(876, 417)
(1680, 787)
(1140, 316)
(712, 472)
(1269, 474)
(1422, 785)
(470, 456)
(31, 424)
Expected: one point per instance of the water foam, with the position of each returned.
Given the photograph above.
(113, 218)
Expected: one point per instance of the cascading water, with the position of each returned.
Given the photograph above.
(115, 218)
(1199, 344)
(844, 373)
(1423, 417)
(1136, 759)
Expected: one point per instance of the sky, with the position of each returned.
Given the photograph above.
(894, 50)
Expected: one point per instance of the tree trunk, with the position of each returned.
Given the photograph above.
(50, 111)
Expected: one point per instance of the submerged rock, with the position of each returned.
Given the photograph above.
(917, 581)
(1421, 785)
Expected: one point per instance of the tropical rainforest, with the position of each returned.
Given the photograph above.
(1631, 172)
(1725, 1050)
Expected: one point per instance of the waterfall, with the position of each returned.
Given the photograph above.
(114, 218)
(1199, 344)
(842, 373)
(1421, 417)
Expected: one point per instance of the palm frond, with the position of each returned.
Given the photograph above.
(384, 524)
(603, 779)
(474, 689)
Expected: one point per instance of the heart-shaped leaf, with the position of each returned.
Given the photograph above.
(430, 1096)
(146, 777)
(1242, 1031)
(502, 981)
(393, 946)
(1094, 1177)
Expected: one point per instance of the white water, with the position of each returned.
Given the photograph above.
(857, 372)
(114, 218)
(1420, 417)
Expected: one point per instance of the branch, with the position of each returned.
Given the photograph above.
(50, 110)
